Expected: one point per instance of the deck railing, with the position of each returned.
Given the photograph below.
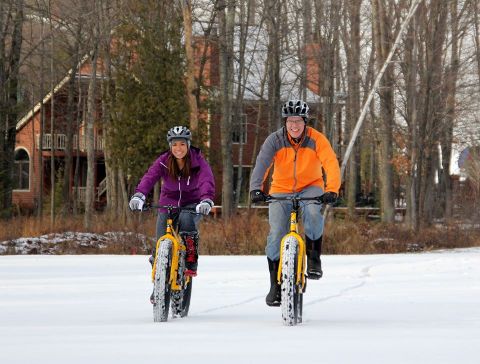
(60, 142)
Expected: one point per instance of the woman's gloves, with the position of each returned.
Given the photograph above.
(137, 201)
(204, 207)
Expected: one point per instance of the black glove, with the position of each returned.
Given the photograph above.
(257, 196)
(329, 197)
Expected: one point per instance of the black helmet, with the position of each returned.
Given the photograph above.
(179, 132)
(295, 108)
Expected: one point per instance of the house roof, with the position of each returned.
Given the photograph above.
(25, 119)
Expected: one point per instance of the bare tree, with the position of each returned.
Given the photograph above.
(383, 23)
(272, 13)
(11, 23)
(351, 43)
(190, 76)
(226, 17)
(90, 119)
(450, 87)
(52, 119)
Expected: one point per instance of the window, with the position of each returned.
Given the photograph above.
(21, 171)
(239, 128)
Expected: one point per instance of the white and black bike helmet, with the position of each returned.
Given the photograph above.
(179, 132)
(295, 108)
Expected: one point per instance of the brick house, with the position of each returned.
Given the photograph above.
(27, 149)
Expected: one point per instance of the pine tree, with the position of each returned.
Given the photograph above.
(150, 89)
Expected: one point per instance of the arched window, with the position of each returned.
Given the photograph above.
(21, 172)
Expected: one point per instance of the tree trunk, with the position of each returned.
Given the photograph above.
(123, 198)
(353, 102)
(226, 23)
(433, 107)
(190, 77)
(382, 26)
(273, 11)
(52, 128)
(67, 173)
(451, 87)
(411, 75)
(9, 87)
(476, 11)
(91, 113)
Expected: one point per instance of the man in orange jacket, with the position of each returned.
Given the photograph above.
(297, 154)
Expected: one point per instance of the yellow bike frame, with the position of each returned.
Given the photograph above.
(172, 235)
(301, 266)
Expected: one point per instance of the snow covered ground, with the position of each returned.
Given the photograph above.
(406, 308)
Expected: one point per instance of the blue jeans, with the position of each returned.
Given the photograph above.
(279, 219)
(184, 220)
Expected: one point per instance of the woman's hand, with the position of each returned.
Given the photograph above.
(137, 201)
(204, 207)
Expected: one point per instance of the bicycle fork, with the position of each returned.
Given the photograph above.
(176, 271)
(301, 257)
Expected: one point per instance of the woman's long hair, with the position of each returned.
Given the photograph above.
(174, 171)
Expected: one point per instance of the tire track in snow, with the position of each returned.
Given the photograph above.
(229, 306)
(365, 273)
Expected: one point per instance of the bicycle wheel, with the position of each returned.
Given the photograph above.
(181, 298)
(291, 294)
(161, 285)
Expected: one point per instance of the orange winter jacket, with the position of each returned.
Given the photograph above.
(296, 166)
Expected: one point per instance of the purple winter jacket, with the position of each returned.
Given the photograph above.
(200, 185)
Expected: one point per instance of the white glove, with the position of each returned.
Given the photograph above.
(137, 201)
(204, 207)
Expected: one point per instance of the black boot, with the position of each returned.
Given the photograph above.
(274, 296)
(314, 264)
(190, 239)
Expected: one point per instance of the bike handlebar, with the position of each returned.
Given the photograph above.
(169, 208)
(294, 198)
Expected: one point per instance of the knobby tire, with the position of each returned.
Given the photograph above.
(291, 296)
(180, 300)
(161, 287)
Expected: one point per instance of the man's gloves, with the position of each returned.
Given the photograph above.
(137, 201)
(257, 196)
(204, 207)
(329, 197)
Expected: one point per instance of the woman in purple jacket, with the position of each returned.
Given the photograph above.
(187, 181)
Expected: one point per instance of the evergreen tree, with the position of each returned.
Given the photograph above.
(150, 89)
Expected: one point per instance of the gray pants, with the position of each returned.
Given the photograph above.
(279, 219)
(185, 221)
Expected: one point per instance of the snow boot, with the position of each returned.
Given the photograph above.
(314, 264)
(190, 239)
(274, 296)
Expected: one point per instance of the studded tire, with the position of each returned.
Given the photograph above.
(161, 286)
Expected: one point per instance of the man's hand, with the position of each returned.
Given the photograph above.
(204, 207)
(257, 196)
(137, 201)
(329, 198)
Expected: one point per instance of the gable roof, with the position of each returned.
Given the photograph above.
(24, 120)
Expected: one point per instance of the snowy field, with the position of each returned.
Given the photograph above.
(416, 308)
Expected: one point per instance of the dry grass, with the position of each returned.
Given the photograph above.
(246, 234)
(362, 237)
